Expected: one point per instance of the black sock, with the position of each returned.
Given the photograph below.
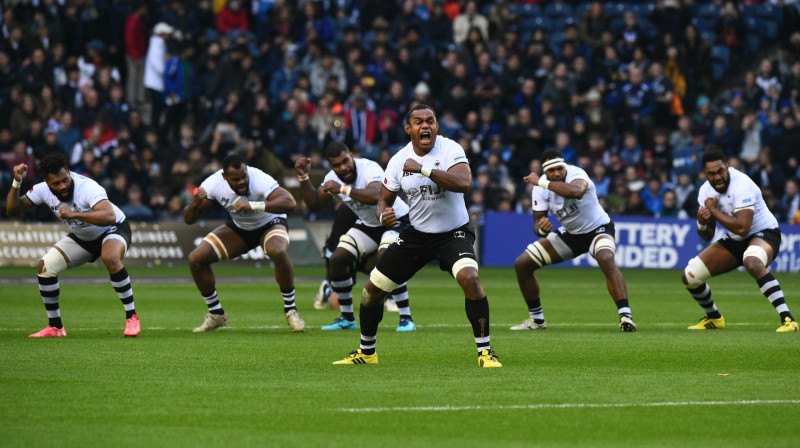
(535, 310)
(478, 315)
(370, 317)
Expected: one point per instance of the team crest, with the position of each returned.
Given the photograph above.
(412, 192)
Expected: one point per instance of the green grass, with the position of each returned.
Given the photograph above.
(257, 384)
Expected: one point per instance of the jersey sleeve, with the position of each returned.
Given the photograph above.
(538, 199)
(577, 173)
(37, 193)
(93, 193)
(210, 187)
(263, 184)
(391, 179)
(744, 196)
(372, 173)
(702, 195)
(454, 155)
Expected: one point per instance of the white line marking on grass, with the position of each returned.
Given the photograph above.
(500, 325)
(567, 406)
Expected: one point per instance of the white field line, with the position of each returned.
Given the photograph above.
(567, 406)
(501, 325)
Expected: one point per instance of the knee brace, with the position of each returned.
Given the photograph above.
(696, 273)
(604, 243)
(381, 281)
(54, 263)
(758, 252)
(463, 263)
(387, 241)
(349, 244)
(539, 254)
(218, 246)
(272, 233)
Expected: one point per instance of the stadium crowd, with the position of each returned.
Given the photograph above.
(148, 97)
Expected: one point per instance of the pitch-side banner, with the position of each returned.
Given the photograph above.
(648, 243)
(167, 243)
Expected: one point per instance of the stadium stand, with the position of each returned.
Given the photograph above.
(155, 93)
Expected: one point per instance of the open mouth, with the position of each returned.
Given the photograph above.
(425, 137)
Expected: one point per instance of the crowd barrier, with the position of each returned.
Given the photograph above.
(649, 243)
(165, 243)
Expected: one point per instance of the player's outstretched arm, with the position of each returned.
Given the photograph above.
(573, 190)
(458, 178)
(541, 225)
(740, 223)
(199, 205)
(384, 211)
(315, 198)
(16, 206)
(102, 214)
(706, 224)
(280, 201)
(369, 195)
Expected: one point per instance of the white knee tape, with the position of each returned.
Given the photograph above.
(217, 245)
(758, 252)
(463, 263)
(349, 244)
(54, 263)
(387, 240)
(539, 254)
(381, 281)
(604, 243)
(696, 273)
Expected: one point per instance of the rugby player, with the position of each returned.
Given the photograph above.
(357, 182)
(567, 192)
(97, 229)
(434, 174)
(752, 239)
(257, 206)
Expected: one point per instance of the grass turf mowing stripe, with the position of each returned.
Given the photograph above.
(566, 406)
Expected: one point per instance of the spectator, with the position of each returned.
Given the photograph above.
(652, 196)
(135, 51)
(469, 19)
(155, 64)
(766, 173)
(766, 78)
(630, 152)
(135, 209)
(722, 136)
(671, 208)
(232, 17)
(791, 201)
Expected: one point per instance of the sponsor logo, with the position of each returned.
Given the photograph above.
(464, 253)
(398, 241)
(459, 234)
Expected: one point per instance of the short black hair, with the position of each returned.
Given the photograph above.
(416, 108)
(551, 154)
(335, 149)
(713, 155)
(234, 160)
(53, 163)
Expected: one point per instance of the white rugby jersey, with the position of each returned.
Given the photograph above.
(742, 194)
(87, 194)
(261, 186)
(367, 172)
(431, 208)
(576, 215)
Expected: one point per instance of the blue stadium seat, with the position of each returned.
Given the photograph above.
(703, 24)
(555, 39)
(708, 11)
(708, 36)
(720, 61)
(557, 10)
(524, 10)
(582, 8)
(617, 9)
(754, 32)
(533, 23)
(562, 22)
